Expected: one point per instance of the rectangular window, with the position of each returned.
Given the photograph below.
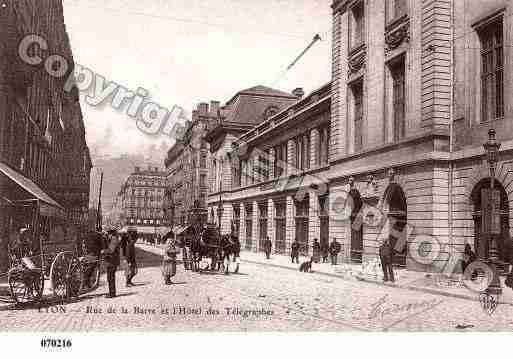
(303, 151)
(262, 209)
(492, 72)
(396, 9)
(280, 159)
(203, 180)
(357, 90)
(397, 70)
(357, 25)
(321, 151)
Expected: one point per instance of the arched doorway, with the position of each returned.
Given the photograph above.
(498, 220)
(356, 226)
(397, 213)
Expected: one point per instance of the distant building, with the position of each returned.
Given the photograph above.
(141, 201)
(186, 165)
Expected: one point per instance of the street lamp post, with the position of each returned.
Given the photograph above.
(491, 219)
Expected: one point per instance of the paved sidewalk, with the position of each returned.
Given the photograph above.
(418, 281)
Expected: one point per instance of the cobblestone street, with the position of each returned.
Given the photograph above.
(276, 298)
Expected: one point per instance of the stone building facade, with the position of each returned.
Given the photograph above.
(414, 94)
(246, 109)
(142, 199)
(186, 166)
(274, 164)
(42, 134)
(416, 86)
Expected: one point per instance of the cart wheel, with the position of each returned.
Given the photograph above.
(66, 275)
(26, 285)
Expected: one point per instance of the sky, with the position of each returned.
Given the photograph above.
(189, 51)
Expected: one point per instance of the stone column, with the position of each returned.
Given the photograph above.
(314, 143)
(290, 223)
(291, 157)
(227, 218)
(313, 218)
(242, 229)
(255, 227)
(340, 224)
(271, 232)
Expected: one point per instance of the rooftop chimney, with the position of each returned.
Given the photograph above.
(298, 92)
(203, 109)
(214, 108)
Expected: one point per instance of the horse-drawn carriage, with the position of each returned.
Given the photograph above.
(203, 246)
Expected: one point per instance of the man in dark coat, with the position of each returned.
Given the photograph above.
(334, 251)
(130, 259)
(112, 260)
(316, 251)
(294, 251)
(325, 251)
(268, 245)
(386, 253)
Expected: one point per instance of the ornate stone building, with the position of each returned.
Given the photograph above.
(272, 165)
(186, 164)
(43, 153)
(414, 95)
(416, 86)
(245, 110)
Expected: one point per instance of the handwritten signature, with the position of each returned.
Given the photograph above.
(382, 308)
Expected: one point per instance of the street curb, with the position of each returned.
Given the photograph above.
(361, 279)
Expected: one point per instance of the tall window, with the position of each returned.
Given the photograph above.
(249, 225)
(262, 209)
(357, 90)
(303, 151)
(492, 71)
(357, 25)
(396, 9)
(322, 146)
(397, 71)
(280, 159)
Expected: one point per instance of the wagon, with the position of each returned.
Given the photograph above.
(69, 272)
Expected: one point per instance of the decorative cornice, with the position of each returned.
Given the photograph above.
(397, 33)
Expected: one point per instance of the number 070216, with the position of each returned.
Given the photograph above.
(56, 343)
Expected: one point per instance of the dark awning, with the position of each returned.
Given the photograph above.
(48, 206)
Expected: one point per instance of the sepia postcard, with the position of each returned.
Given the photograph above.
(255, 166)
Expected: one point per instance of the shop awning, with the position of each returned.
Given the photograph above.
(146, 229)
(48, 206)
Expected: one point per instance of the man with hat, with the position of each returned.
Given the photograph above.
(112, 260)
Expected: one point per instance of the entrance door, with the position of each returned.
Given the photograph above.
(397, 216)
(324, 220)
(302, 226)
(356, 227)
(249, 227)
(280, 228)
